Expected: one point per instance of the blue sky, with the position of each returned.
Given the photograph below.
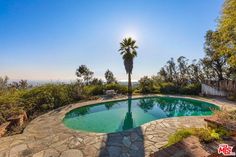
(49, 39)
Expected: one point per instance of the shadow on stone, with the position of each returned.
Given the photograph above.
(128, 143)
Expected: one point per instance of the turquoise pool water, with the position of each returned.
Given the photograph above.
(126, 114)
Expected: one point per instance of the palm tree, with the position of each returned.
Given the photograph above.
(128, 52)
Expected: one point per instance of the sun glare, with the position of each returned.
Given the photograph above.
(132, 34)
(129, 34)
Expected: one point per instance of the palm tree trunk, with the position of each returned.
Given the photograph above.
(129, 85)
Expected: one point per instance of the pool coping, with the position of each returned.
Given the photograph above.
(100, 102)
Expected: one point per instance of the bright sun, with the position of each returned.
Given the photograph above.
(131, 34)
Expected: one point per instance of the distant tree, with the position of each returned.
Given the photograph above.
(23, 84)
(14, 84)
(172, 71)
(128, 51)
(195, 72)
(110, 77)
(183, 70)
(3, 82)
(181, 73)
(163, 74)
(96, 81)
(84, 73)
(227, 30)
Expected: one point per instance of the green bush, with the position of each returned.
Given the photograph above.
(190, 89)
(146, 85)
(93, 90)
(171, 88)
(36, 100)
(121, 89)
(47, 97)
(179, 136)
(222, 131)
(168, 88)
(10, 104)
(204, 134)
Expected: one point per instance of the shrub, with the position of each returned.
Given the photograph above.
(190, 89)
(225, 115)
(204, 134)
(146, 85)
(47, 97)
(10, 104)
(222, 131)
(232, 96)
(179, 136)
(168, 88)
(94, 90)
(121, 89)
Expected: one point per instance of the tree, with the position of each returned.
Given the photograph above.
(84, 73)
(183, 70)
(3, 82)
(195, 74)
(110, 77)
(163, 74)
(181, 73)
(146, 85)
(227, 30)
(96, 81)
(14, 85)
(172, 71)
(213, 58)
(128, 51)
(23, 84)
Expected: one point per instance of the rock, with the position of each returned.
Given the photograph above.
(115, 140)
(39, 154)
(126, 141)
(18, 120)
(47, 153)
(150, 137)
(4, 154)
(3, 128)
(125, 155)
(114, 151)
(75, 142)
(134, 136)
(134, 147)
(90, 151)
(72, 153)
(18, 150)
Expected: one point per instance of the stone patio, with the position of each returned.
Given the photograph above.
(46, 136)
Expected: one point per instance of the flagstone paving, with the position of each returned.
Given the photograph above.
(46, 136)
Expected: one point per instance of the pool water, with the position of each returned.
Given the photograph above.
(126, 114)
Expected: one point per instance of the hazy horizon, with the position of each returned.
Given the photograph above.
(48, 40)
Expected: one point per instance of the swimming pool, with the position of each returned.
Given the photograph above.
(122, 115)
